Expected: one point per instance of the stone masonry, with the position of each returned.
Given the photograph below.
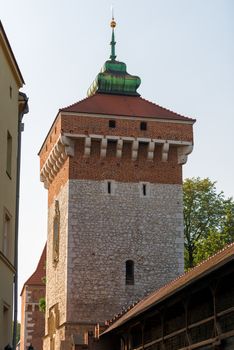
(105, 230)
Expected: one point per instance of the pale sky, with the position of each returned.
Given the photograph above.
(183, 50)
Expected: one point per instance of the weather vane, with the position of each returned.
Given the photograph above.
(112, 11)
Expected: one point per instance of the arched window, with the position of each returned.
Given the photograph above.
(129, 272)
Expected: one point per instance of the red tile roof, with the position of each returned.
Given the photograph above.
(36, 279)
(132, 106)
(209, 265)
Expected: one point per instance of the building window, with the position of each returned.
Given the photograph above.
(112, 123)
(143, 126)
(10, 90)
(144, 189)
(56, 233)
(109, 187)
(129, 272)
(6, 243)
(9, 154)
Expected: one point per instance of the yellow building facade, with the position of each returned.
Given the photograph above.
(11, 81)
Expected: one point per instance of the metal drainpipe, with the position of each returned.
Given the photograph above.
(20, 130)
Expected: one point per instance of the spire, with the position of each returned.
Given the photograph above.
(113, 42)
(114, 78)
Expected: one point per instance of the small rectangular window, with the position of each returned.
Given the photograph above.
(143, 126)
(129, 272)
(112, 123)
(9, 154)
(109, 187)
(144, 189)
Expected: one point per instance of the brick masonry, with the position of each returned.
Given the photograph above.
(32, 319)
(124, 127)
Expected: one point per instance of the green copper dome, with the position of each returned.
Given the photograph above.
(113, 78)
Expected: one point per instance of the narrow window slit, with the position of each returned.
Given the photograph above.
(144, 189)
(109, 187)
(129, 272)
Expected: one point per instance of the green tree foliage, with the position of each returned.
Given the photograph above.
(208, 220)
(42, 304)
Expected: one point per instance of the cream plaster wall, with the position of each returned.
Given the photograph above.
(9, 91)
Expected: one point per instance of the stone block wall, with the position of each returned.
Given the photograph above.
(105, 230)
(56, 274)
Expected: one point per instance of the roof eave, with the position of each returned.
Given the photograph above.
(173, 291)
(185, 120)
(55, 119)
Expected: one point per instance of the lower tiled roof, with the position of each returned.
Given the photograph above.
(37, 277)
(207, 266)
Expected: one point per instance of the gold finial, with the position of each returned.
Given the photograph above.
(113, 23)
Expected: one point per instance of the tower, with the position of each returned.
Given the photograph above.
(112, 164)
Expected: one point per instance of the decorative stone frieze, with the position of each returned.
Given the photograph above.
(184, 147)
(165, 150)
(183, 153)
(103, 148)
(150, 153)
(119, 148)
(87, 149)
(135, 147)
(63, 148)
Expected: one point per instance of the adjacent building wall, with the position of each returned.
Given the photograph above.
(10, 83)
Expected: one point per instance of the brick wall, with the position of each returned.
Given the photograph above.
(33, 320)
